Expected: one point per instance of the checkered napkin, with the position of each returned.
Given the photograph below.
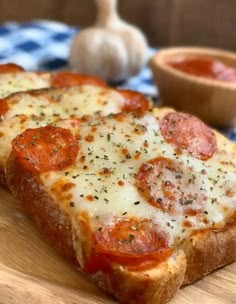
(39, 45)
(44, 45)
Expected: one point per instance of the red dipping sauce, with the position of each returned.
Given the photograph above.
(205, 67)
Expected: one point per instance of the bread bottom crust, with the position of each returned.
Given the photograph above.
(204, 251)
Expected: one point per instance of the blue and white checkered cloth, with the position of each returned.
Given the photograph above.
(39, 45)
(44, 45)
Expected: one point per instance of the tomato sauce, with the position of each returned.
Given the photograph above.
(205, 67)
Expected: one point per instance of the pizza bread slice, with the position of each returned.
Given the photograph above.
(32, 109)
(13, 78)
(142, 203)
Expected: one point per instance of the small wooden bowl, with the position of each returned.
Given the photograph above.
(213, 101)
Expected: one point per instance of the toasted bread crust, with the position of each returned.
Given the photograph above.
(53, 222)
(209, 249)
(157, 285)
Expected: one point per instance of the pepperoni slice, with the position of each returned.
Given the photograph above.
(10, 68)
(170, 186)
(68, 79)
(47, 148)
(186, 131)
(129, 242)
(135, 101)
(3, 108)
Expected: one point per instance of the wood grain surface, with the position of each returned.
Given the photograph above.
(31, 272)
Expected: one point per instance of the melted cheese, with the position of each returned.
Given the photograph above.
(18, 82)
(103, 177)
(30, 111)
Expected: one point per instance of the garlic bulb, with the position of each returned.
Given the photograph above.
(111, 49)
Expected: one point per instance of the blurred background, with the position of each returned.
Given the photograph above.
(165, 22)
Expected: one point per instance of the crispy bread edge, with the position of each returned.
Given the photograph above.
(153, 286)
(208, 250)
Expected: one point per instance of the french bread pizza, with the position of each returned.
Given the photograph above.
(35, 108)
(142, 203)
(13, 78)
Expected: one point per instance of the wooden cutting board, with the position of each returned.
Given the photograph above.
(31, 272)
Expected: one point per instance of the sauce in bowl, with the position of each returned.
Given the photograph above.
(205, 67)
